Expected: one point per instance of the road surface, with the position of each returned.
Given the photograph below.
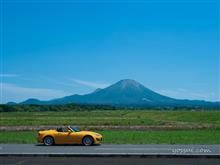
(13, 160)
(111, 150)
(26, 154)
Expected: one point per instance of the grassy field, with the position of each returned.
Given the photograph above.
(209, 135)
(131, 137)
(115, 117)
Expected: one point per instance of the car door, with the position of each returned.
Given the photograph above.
(75, 138)
(62, 138)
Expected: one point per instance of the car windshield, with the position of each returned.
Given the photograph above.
(75, 129)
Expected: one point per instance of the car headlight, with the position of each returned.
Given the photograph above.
(97, 134)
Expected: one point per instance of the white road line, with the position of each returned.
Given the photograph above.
(135, 149)
(20, 162)
(104, 153)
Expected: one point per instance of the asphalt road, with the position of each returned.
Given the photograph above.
(106, 161)
(110, 150)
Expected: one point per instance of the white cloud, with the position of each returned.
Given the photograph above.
(55, 81)
(168, 92)
(189, 94)
(9, 75)
(13, 92)
(90, 84)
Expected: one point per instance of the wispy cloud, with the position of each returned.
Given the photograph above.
(168, 92)
(13, 92)
(90, 84)
(189, 94)
(9, 75)
(58, 82)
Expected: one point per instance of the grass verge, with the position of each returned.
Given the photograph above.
(208, 119)
(131, 137)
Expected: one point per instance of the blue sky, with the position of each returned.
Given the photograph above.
(54, 48)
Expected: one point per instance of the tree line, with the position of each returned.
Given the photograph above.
(56, 108)
(85, 107)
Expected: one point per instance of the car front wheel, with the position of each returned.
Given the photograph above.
(87, 141)
(48, 141)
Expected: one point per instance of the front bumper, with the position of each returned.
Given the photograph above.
(98, 140)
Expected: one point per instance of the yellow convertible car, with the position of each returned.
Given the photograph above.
(68, 135)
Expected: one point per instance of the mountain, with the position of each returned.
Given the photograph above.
(126, 93)
(11, 103)
(34, 101)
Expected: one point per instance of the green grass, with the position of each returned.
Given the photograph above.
(210, 119)
(131, 137)
(162, 137)
(114, 117)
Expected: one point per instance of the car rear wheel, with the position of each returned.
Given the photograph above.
(87, 141)
(48, 141)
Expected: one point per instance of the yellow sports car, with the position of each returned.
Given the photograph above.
(68, 135)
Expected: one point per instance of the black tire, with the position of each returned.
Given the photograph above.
(87, 141)
(48, 141)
